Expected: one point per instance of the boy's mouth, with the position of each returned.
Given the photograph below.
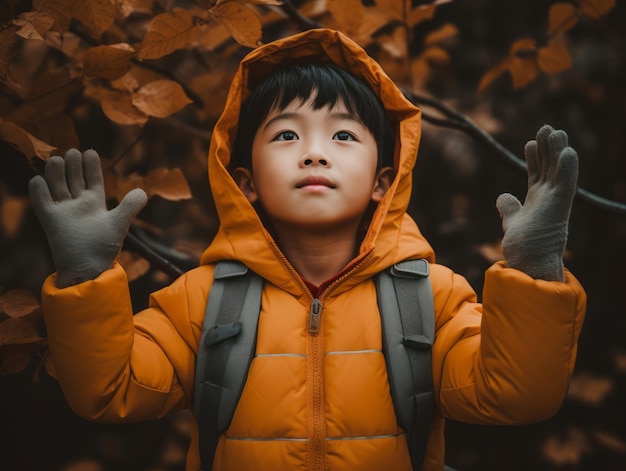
(315, 180)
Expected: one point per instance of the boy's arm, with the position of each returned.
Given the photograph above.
(510, 359)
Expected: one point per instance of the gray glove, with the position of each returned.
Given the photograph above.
(84, 236)
(535, 234)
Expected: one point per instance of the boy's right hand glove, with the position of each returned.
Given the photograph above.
(535, 233)
(84, 236)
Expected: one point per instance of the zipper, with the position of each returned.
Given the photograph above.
(315, 316)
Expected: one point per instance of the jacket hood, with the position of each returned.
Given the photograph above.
(392, 235)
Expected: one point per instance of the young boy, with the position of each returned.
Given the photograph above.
(310, 167)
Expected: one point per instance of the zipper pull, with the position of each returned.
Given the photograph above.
(315, 314)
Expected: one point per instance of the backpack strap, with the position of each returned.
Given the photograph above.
(226, 349)
(407, 314)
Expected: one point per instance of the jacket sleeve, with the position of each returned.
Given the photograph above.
(508, 360)
(113, 366)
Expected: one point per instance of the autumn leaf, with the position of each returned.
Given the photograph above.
(119, 108)
(240, 21)
(422, 13)
(589, 389)
(169, 184)
(17, 331)
(33, 25)
(109, 62)
(128, 7)
(134, 265)
(596, 8)
(492, 74)
(59, 10)
(12, 211)
(96, 15)
(160, 98)
(18, 303)
(562, 16)
(166, 33)
(253, 2)
(393, 8)
(441, 35)
(568, 450)
(25, 142)
(8, 39)
(554, 58)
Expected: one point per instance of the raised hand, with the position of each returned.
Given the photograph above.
(84, 236)
(535, 233)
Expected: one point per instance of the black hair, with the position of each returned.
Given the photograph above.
(330, 84)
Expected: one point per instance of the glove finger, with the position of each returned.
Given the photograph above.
(530, 153)
(566, 175)
(129, 207)
(40, 195)
(556, 142)
(74, 172)
(92, 169)
(543, 150)
(507, 205)
(55, 176)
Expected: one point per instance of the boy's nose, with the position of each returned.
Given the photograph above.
(315, 157)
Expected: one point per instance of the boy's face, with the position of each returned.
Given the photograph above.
(314, 169)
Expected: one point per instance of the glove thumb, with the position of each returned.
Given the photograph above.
(131, 204)
(507, 205)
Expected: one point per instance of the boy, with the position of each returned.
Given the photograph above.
(311, 181)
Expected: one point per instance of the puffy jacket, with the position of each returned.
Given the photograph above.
(318, 402)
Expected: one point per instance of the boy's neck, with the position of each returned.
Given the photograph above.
(318, 257)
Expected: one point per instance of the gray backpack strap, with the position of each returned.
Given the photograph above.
(226, 349)
(407, 314)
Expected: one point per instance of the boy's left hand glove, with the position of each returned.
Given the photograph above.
(535, 233)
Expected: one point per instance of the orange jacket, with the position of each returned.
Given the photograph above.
(318, 402)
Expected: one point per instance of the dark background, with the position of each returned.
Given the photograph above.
(457, 180)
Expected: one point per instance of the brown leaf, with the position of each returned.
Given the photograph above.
(128, 7)
(240, 21)
(523, 62)
(569, 450)
(443, 34)
(96, 15)
(134, 265)
(393, 8)
(492, 74)
(596, 8)
(13, 362)
(166, 33)
(589, 389)
(424, 12)
(395, 43)
(554, 58)
(12, 211)
(17, 331)
(59, 10)
(120, 109)
(33, 25)
(25, 142)
(18, 303)
(109, 62)
(562, 16)
(167, 183)
(160, 98)
(8, 39)
(253, 2)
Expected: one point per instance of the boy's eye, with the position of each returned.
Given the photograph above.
(286, 136)
(344, 136)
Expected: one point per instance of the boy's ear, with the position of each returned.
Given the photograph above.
(243, 179)
(384, 177)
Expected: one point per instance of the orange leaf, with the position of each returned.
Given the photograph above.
(109, 62)
(436, 55)
(568, 450)
(17, 331)
(96, 15)
(596, 8)
(562, 17)
(25, 142)
(18, 303)
(493, 74)
(395, 43)
(134, 265)
(128, 7)
(392, 8)
(160, 98)
(120, 109)
(523, 71)
(34, 25)
(589, 389)
(523, 46)
(166, 33)
(12, 211)
(169, 184)
(243, 25)
(443, 34)
(59, 10)
(424, 12)
(554, 58)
